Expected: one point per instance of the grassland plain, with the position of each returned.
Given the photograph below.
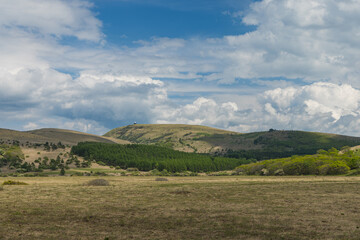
(233, 207)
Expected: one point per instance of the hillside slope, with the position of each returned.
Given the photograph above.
(275, 144)
(180, 137)
(259, 145)
(52, 135)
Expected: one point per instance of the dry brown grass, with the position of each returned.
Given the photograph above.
(182, 208)
(31, 154)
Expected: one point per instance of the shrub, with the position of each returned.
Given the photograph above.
(132, 169)
(98, 182)
(279, 172)
(62, 172)
(11, 182)
(353, 163)
(240, 170)
(323, 169)
(155, 172)
(355, 173)
(264, 172)
(296, 168)
(335, 168)
(161, 179)
(165, 173)
(251, 169)
(101, 163)
(338, 167)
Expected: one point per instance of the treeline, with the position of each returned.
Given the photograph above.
(323, 163)
(148, 157)
(268, 153)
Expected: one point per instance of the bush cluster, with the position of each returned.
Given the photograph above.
(323, 163)
(12, 156)
(11, 182)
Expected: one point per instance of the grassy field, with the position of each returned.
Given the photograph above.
(182, 208)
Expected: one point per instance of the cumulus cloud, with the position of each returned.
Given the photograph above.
(320, 106)
(313, 40)
(109, 99)
(203, 111)
(57, 18)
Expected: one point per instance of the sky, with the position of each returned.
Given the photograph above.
(238, 65)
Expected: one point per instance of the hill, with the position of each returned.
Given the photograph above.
(182, 137)
(51, 135)
(275, 144)
(258, 145)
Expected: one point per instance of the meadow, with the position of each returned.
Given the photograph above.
(231, 207)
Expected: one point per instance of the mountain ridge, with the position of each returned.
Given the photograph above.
(195, 138)
(259, 145)
(52, 135)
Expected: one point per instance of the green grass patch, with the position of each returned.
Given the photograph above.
(11, 182)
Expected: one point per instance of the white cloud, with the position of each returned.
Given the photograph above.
(202, 111)
(58, 18)
(320, 107)
(107, 99)
(30, 126)
(313, 40)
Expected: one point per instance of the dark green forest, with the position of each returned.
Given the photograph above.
(149, 157)
(281, 144)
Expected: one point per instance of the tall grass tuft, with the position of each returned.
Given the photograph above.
(98, 182)
(161, 179)
(10, 182)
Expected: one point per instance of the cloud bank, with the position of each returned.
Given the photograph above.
(297, 70)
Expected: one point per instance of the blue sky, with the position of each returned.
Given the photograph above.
(125, 22)
(239, 65)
